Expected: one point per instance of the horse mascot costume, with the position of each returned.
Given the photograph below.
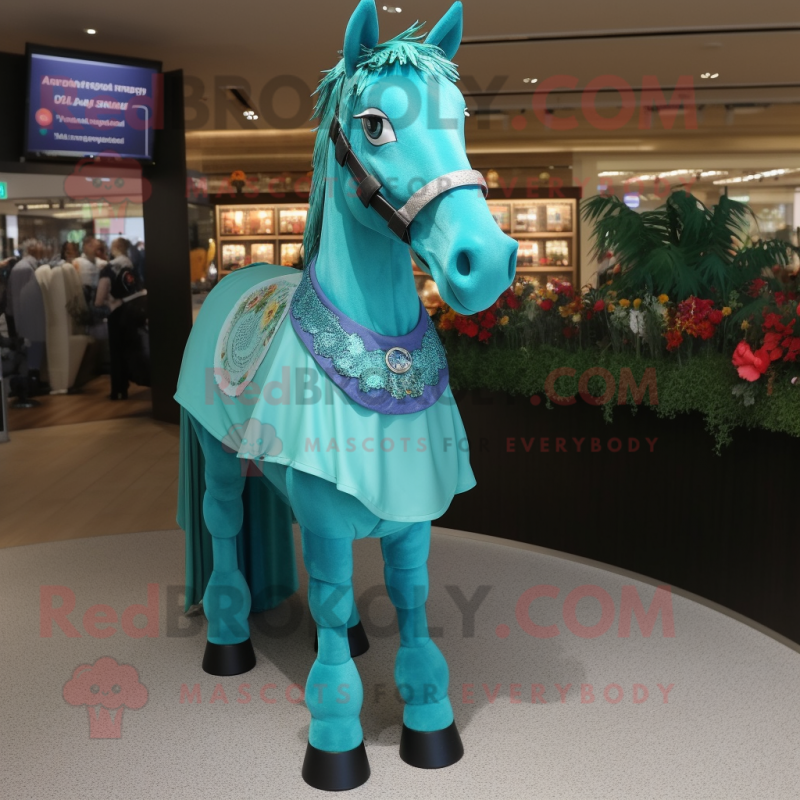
(333, 385)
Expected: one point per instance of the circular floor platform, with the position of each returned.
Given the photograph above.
(709, 712)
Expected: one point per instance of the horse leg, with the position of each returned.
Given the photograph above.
(226, 601)
(330, 521)
(356, 635)
(430, 739)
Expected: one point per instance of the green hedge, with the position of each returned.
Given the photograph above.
(702, 384)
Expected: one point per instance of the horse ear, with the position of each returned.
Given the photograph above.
(362, 30)
(447, 31)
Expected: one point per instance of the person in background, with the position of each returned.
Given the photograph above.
(69, 252)
(120, 290)
(30, 251)
(89, 264)
(136, 255)
(25, 313)
(102, 250)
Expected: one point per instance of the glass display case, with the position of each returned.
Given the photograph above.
(502, 215)
(546, 230)
(290, 254)
(234, 256)
(272, 233)
(262, 251)
(293, 219)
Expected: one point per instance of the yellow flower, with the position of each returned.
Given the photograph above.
(269, 313)
(745, 325)
(504, 320)
(726, 312)
(576, 317)
(663, 299)
(550, 295)
(564, 311)
(610, 308)
(624, 303)
(637, 302)
(519, 289)
(612, 294)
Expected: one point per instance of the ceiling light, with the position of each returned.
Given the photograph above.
(757, 176)
(90, 31)
(530, 80)
(709, 75)
(392, 9)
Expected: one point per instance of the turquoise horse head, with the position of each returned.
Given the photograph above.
(392, 175)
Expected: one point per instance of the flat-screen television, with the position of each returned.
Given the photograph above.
(80, 105)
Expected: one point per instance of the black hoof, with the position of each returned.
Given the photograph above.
(356, 637)
(229, 659)
(335, 772)
(431, 749)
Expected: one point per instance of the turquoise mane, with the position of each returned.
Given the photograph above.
(337, 91)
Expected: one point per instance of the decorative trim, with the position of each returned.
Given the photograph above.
(248, 331)
(357, 359)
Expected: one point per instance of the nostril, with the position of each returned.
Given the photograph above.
(512, 265)
(462, 264)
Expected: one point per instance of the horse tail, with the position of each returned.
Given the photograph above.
(265, 544)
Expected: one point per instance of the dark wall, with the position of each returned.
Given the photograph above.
(721, 526)
(12, 102)
(166, 227)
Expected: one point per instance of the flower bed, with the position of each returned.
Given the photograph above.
(713, 317)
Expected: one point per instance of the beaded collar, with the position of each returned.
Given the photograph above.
(388, 374)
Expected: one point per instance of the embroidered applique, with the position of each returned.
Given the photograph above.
(402, 373)
(248, 332)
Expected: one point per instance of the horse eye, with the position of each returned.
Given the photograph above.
(373, 127)
(94, 689)
(377, 127)
(116, 688)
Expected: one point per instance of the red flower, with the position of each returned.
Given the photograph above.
(484, 335)
(466, 325)
(511, 299)
(674, 340)
(546, 305)
(569, 332)
(771, 320)
(792, 346)
(715, 317)
(588, 315)
(600, 306)
(488, 320)
(756, 286)
(751, 366)
(772, 340)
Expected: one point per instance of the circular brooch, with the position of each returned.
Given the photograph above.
(398, 359)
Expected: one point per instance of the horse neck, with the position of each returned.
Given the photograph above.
(365, 274)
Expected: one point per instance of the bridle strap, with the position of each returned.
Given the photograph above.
(367, 186)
